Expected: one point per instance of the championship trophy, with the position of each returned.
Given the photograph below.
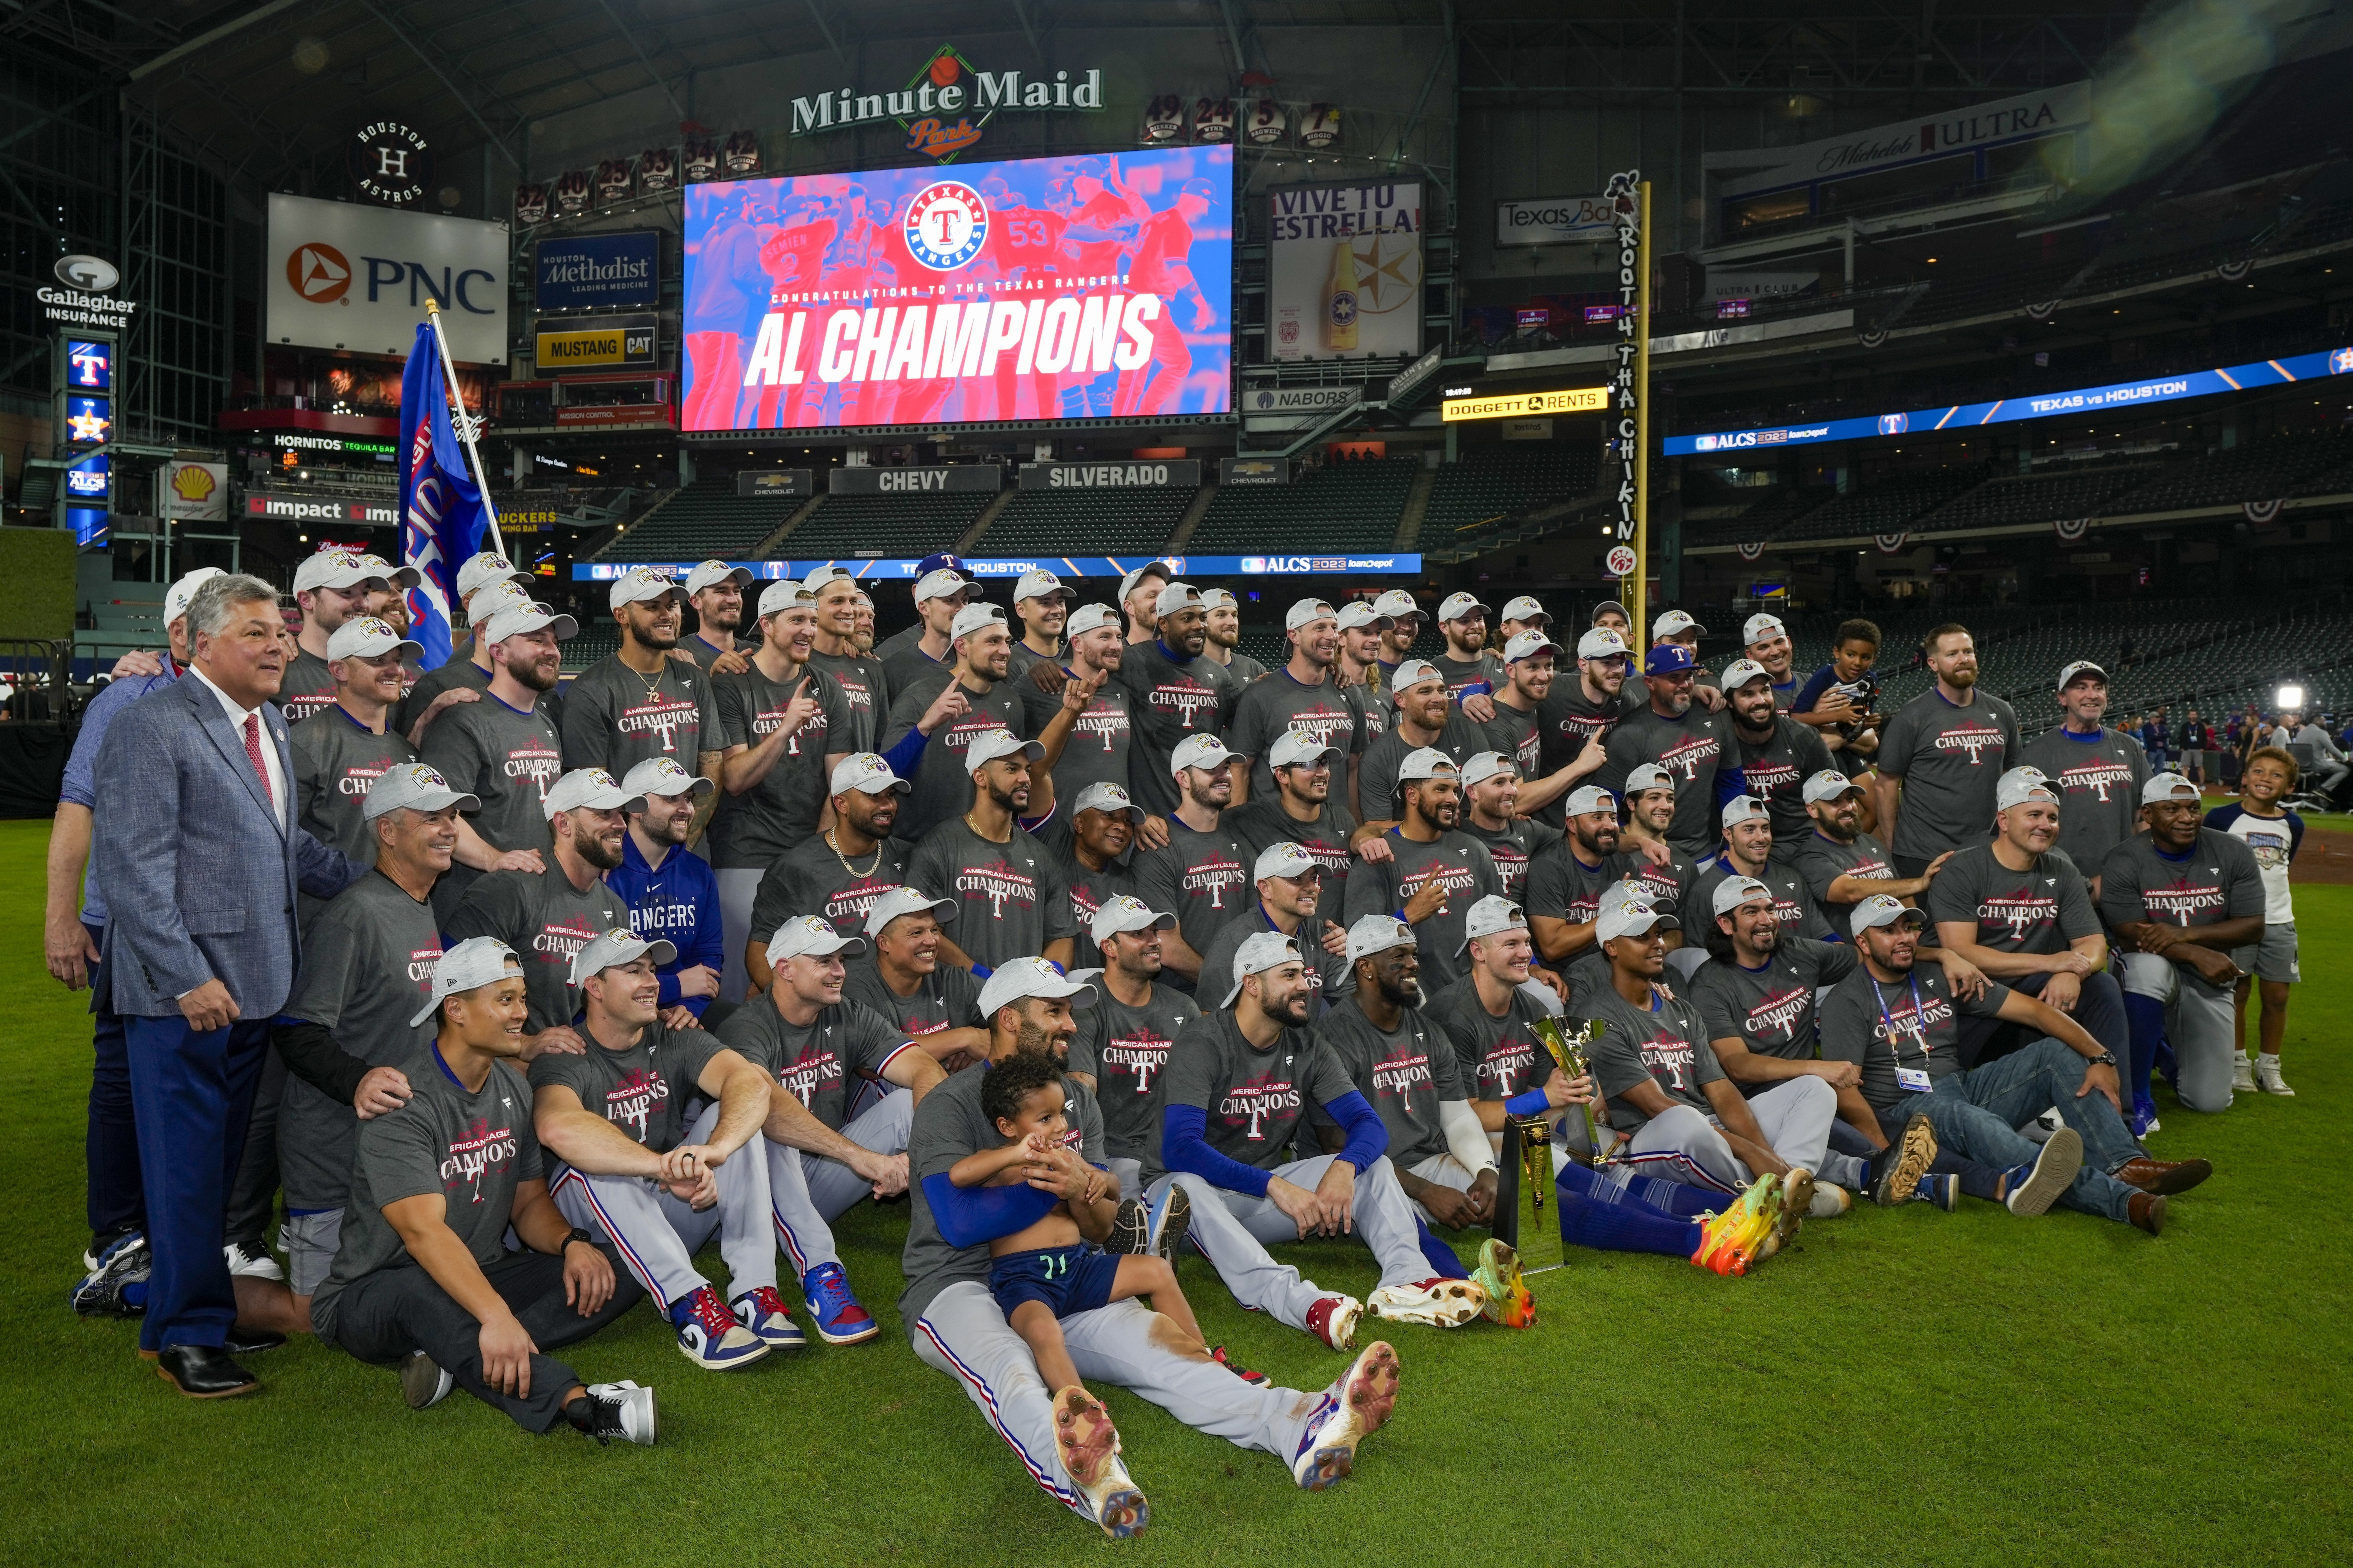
(1569, 1054)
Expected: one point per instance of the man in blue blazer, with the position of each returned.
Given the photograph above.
(199, 857)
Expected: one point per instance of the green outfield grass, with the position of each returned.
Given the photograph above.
(1903, 1387)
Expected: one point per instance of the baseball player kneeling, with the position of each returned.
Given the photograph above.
(632, 1171)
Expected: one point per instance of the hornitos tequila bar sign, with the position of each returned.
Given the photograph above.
(946, 104)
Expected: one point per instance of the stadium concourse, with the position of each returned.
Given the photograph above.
(1154, 756)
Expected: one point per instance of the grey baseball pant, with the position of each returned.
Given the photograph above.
(807, 1193)
(2196, 1021)
(656, 1235)
(964, 1335)
(1444, 1171)
(737, 889)
(1233, 1230)
(1795, 1117)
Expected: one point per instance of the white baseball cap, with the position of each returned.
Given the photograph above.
(1293, 747)
(1527, 610)
(1630, 917)
(662, 776)
(866, 774)
(1743, 808)
(1607, 607)
(1042, 585)
(1413, 672)
(332, 568)
(821, 575)
(2165, 788)
(419, 786)
(1490, 916)
(177, 597)
(1428, 762)
(1124, 913)
(516, 619)
(1358, 613)
(974, 617)
(1087, 617)
(1828, 784)
(939, 583)
(992, 745)
(1741, 671)
(1397, 604)
(1586, 798)
(811, 936)
(1881, 910)
(489, 566)
(498, 594)
(1106, 796)
(1285, 859)
(1675, 624)
(2080, 666)
(617, 946)
(1601, 642)
(1527, 645)
(1458, 606)
(1480, 766)
(905, 900)
(1219, 599)
(1264, 950)
(711, 573)
(639, 583)
(364, 636)
(1176, 596)
(1761, 626)
(783, 593)
(476, 962)
(2020, 785)
(1151, 568)
(1307, 612)
(1735, 892)
(1203, 751)
(1378, 934)
(1648, 775)
(583, 789)
(1632, 888)
(1019, 978)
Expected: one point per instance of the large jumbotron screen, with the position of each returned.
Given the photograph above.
(1077, 288)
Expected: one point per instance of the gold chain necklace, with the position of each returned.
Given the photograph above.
(835, 845)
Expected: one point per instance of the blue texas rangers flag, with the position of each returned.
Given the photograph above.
(443, 515)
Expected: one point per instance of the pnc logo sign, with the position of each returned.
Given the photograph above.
(320, 273)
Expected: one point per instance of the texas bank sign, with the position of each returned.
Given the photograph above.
(946, 104)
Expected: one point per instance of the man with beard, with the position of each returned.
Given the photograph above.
(953, 707)
(958, 1329)
(672, 896)
(937, 1004)
(1688, 741)
(1042, 602)
(504, 750)
(1565, 883)
(1643, 853)
(1766, 642)
(834, 651)
(1775, 754)
(1524, 614)
(1239, 1081)
(1405, 616)
(2021, 914)
(1121, 1051)
(1301, 695)
(716, 591)
(1290, 902)
(1362, 627)
(941, 594)
(1490, 1016)
(640, 702)
(813, 1044)
(1940, 755)
(465, 676)
(1574, 722)
(332, 586)
(1434, 872)
(1747, 851)
(2098, 772)
(838, 872)
(1517, 729)
(1139, 599)
(550, 917)
(1175, 693)
(1490, 795)
(1010, 895)
(1300, 810)
(782, 719)
(1842, 864)
(1103, 736)
(1223, 625)
(1199, 877)
(1468, 668)
(1426, 718)
(1089, 838)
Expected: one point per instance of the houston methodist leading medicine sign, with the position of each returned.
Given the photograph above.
(342, 276)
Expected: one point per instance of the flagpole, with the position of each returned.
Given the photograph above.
(457, 401)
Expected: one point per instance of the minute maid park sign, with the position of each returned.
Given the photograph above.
(946, 103)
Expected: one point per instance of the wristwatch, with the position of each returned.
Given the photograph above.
(577, 1235)
(2104, 1059)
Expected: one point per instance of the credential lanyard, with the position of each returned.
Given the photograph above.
(1919, 1022)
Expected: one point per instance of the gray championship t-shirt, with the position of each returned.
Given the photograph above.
(1793, 906)
(1665, 1044)
(811, 879)
(1770, 1009)
(1202, 879)
(1455, 861)
(1774, 773)
(642, 1090)
(615, 718)
(816, 1061)
(308, 687)
(460, 673)
(1263, 823)
(1562, 887)
(367, 967)
(1376, 777)
(1270, 708)
(1669, 886)
(1126, 1051)
(947, 998)
(336, 762)
(1405, 1072)
(1102, 740)
(2041, 910)
(1822, 860)
(2099, 779)
(1519, 736)
(508, 758)
(1329, 975)
(1691, 749)
(783, 808)
(866, 693)
(1495, 1057)
(1949, 760)
(1465, 675)
(474, 1147)
(1168, 700)
(1089, 890)
(943, 786)
(547, 921)
(1011, 899)
(2216, 879)
(1253, 1099)
(1922, 1012)
(1521, 843)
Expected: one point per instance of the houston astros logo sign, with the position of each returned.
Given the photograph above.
(946, 224)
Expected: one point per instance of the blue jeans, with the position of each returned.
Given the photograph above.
(111, 1145)
(2099, 1008)
(1978, 1180)
(1976, 1115)
(194, 1092)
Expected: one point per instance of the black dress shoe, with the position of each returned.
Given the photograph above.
(204, 1372)
(251, 1341)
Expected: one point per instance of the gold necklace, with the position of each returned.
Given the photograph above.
(983, 838)
(835, 845)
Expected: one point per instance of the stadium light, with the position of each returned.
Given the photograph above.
(2290, 695)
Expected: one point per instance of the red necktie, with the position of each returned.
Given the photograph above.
(253, 750)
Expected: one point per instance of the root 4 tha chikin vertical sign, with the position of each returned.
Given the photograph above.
(1629, 199)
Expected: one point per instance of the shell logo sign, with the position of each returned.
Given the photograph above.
(194, 483)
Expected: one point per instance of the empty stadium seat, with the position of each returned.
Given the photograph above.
(706, 520)
(844, 527)
(1340, 506)
(1092, 522)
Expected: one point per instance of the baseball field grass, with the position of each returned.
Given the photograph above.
(1907, 1386)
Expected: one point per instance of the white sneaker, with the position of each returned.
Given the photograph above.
(2242, 1074)
(253, 1262)
(2267, 1073)
(1440, 1303)
(1830, 1201)
(623, 1410)
(1088, 1446)
(424, 1383)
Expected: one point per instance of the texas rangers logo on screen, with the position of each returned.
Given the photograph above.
(1086, 286)
(1894, 424)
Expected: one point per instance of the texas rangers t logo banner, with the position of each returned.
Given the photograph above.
(441, 511)
(1071, 288)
